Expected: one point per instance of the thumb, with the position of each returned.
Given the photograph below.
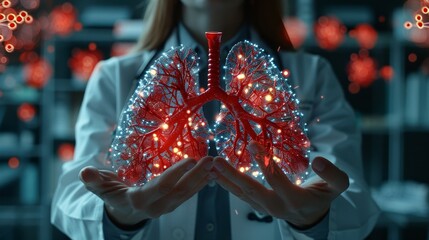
(90, 176)
(336, 178)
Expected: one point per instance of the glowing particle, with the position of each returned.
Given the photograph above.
(188, 111)
(241, 76)
(408, 25)
(242, 169)
(156, 165)
(255, 173)
(175, 150)
(418, 17)
(240, 56)
(185, 156)
(298, 182)
(279, 131)
(268, 98)
(164, 126)
(285, 73)
(239, 152)
(179, 144)
(153, 72)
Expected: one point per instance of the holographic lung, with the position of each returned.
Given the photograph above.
(163, 120)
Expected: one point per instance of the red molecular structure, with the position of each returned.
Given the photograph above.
(362, 69)
(63, 20)
(83, 62)
(421, 21)
(26, 112)
(365, 34)
(164, 123)
(10, 19)
(329, 32)
(37, 73)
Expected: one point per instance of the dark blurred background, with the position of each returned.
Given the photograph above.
(382, 65)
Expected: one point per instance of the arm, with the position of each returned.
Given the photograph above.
(335, 136)
(75, 210)
(337, 164)
(86, 190)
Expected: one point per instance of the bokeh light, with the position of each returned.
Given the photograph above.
(65, 152)
(13, 162)
(365, 34)
(329, 32)
(362, 69)
(297, 30)
(37, 73)
(26, 112)
(83, 62)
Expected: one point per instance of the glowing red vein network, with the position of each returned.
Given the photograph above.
(163, 122)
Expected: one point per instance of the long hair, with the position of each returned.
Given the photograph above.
(161, 16)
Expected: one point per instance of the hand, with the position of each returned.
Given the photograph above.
(301, 206)
(128, 206)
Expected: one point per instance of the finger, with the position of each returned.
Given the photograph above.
(91, 178)
(333, 176)
(272, 172)
(100, 182)
(249, 187)
(196, 176)
(168, 203)
(236, 190)
(193, 176)
(163, 184)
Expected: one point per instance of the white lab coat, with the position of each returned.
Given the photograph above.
(332, 131)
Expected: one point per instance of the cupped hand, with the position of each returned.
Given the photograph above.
(128, 206)
(302, 206)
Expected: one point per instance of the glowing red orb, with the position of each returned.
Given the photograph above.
(83, 62)
(329, 32)
(65, 152)
(13, 162)
(297, 30)
(365, 34)
(386, 72)
(26, 112)
(63, 19)
(362, 69)
(37, 73)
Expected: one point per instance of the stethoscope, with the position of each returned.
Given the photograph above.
(253, 215)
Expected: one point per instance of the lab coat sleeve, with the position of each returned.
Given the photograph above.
(333, 133)
(76, 211)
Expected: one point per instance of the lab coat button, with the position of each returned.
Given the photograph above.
(210, 227)
(178, 234)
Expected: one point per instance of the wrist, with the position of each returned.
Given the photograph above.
(310, 224)
(123, 220)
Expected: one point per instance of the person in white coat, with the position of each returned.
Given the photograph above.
(207, 198)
